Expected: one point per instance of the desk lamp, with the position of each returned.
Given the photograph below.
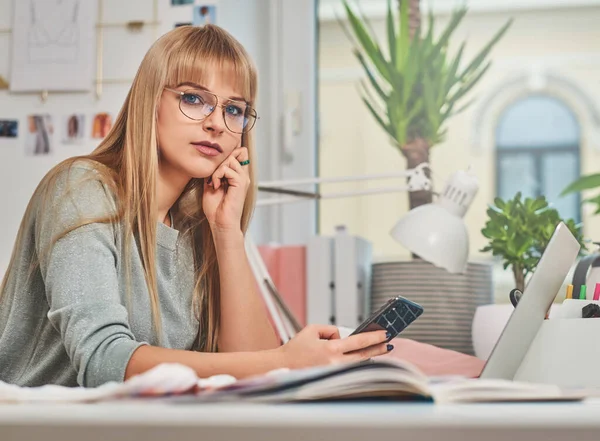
(435, 232)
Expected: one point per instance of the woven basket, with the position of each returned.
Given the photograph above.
(449, 300)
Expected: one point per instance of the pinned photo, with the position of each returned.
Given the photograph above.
(40, 135)
(73, 127)
(101, 125)
(9, 128)
(204, 15)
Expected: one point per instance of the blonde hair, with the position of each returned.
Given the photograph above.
(127, 161)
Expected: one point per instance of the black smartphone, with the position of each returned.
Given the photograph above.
(394, 317)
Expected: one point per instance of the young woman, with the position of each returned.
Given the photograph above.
(134, 255)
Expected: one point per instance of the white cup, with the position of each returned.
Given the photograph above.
(488, 324)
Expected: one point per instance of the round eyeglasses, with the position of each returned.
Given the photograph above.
(198, 104)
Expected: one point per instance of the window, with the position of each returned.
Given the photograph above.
(537, 152)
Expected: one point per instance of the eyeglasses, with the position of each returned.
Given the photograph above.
(197, 104)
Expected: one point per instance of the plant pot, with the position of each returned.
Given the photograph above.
(449, 300)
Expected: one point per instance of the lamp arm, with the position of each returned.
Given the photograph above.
(410, 173)
(417, 181)
(336, 195)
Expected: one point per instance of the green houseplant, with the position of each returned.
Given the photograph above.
(414, 85)
(519, 230)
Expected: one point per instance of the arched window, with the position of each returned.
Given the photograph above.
(537, 152)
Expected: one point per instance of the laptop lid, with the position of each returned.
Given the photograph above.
(530, 312)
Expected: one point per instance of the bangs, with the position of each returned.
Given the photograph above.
(205, 52)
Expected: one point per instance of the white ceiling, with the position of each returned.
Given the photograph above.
(328, 9)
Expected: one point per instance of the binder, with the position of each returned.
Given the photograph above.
(352, 269)
(338, 279)
(320, 281)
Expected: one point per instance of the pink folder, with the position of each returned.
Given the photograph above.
(287, 268)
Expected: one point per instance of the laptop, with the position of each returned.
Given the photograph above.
(529, 314)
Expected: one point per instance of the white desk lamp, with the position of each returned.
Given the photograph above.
(435, 232)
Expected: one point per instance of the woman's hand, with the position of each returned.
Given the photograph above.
(225, 193)
(319, 345)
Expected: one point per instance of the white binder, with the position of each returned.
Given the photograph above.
(320, 281)
(338, 279)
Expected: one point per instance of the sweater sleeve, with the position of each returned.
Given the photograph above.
(81, 281)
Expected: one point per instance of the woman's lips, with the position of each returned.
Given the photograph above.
(208, 151)
(207, 148)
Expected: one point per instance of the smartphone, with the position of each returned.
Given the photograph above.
(394, 317)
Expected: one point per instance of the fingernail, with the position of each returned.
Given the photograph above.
(390, 347)
(388, 334)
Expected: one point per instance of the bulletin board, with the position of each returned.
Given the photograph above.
(51, 110)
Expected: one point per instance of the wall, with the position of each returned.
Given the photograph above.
(562, 43)
(123, 51)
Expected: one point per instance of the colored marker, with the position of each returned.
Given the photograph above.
(597, 292)
(582, 291)
(569, 292)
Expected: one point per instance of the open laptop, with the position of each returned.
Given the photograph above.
(529, 314)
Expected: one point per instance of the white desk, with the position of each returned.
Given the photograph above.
(344, 422)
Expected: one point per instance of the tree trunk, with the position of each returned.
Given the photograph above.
(417, 152)
(414, 15)
(519, 277)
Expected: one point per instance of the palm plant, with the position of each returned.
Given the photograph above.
(414, 86)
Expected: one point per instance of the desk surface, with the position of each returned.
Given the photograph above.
(347, 422)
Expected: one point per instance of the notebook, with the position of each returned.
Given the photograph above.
(380, 379)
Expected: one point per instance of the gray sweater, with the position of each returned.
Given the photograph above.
(67, 322)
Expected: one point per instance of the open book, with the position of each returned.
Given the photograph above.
(376, 379)
(387, 379)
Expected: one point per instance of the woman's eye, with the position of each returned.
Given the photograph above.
(234, 110)
(190, 98)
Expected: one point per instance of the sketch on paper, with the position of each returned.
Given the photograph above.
(58, 37)
(205, 14)
(9, 128)
(73, 127)
(55, 40)
(40, 135)
(101, 125)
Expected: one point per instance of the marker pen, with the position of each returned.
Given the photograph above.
(569, 292)
(597, 292)
(582, 292)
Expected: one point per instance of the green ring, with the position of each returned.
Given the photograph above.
(246, 162)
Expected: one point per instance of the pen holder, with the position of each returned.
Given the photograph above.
(566, 350)
(571, 308)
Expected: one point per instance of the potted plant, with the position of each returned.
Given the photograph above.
(519, 231)
(414, 85)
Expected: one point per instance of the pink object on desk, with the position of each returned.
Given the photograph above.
(435, 361)
(287, 268)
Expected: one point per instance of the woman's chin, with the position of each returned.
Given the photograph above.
(197, 171)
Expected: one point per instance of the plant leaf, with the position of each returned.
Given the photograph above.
(377, 116)
(474, 65)
(391, 32)
(370, 76)
(583, 183)
(403, 42)
(472, 82)
(368, 44)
